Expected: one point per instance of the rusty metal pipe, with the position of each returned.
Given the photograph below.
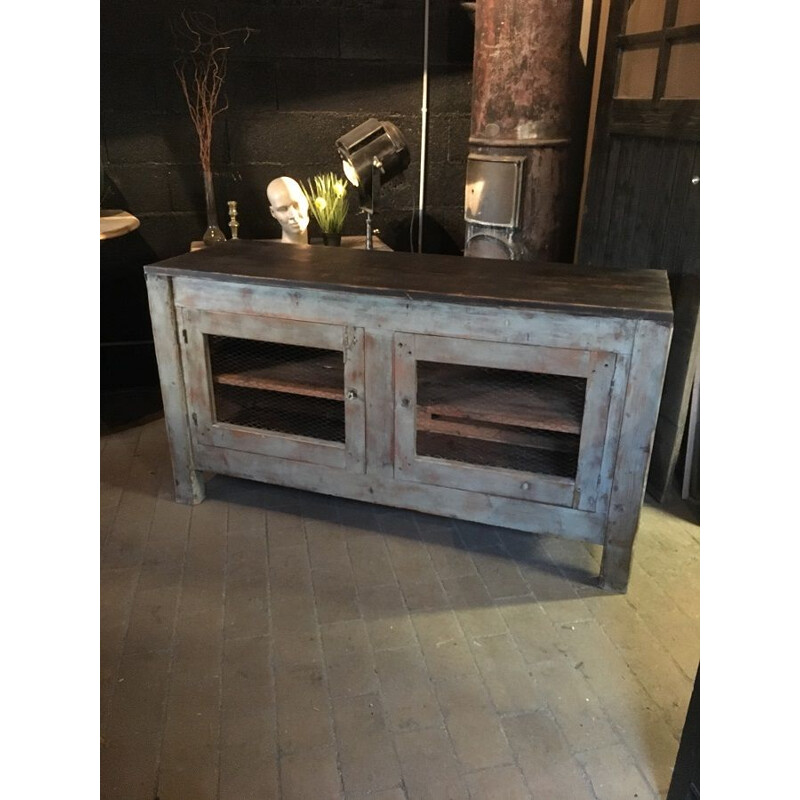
(527, 70)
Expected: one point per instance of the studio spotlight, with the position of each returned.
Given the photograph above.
(372, 154)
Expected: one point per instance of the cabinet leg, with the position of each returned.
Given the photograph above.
(642, 397)
(615, 568)
(190, 488)
(189, 485)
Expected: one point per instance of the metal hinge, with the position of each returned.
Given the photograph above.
(185, 337)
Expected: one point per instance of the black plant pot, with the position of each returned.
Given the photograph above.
(332, 239)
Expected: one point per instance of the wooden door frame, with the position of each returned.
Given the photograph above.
(596, 367)
(657, 116)
(197, 324)
(665, 119)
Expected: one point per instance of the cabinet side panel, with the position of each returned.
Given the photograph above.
(189, 487)
(645, 379)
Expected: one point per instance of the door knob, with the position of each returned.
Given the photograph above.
(695, 180)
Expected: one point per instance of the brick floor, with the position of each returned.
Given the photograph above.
(270, 643)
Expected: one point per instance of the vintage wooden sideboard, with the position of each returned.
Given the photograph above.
(517, 394)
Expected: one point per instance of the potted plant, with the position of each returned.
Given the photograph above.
(328, 204)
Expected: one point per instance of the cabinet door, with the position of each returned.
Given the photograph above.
(510, 420)
(280, 388)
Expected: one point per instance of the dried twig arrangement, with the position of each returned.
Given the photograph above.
(201, 73)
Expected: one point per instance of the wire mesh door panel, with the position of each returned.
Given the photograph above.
(279, 387)
(513, 420)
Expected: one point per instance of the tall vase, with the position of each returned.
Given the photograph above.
(213, 234)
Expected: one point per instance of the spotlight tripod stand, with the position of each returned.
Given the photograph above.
(369, 208)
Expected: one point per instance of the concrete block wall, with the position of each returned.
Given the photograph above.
(313, 70)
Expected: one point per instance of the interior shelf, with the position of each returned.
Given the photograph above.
(448, 395)
(547, 461)
(318, 376)
(494, 432)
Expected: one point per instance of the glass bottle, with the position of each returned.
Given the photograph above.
(213, 234)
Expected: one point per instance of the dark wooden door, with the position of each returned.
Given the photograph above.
(642, 206)
(685, 783)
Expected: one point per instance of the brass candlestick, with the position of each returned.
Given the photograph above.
(233, 222)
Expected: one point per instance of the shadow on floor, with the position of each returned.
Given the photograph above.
(556, 568)
(527, 551)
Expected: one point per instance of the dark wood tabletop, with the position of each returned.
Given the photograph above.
(641, 294)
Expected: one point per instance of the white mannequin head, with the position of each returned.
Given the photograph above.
(289, 206)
